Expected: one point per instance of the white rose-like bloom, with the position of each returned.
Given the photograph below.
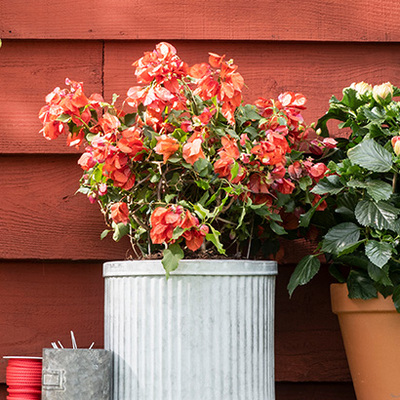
(382, 92)
(361, 87)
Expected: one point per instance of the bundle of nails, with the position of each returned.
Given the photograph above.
(58, 344)
(24, 374)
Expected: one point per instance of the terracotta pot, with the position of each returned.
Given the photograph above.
(371, 337)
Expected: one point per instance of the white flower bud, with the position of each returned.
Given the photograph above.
(383, 92)
(361, 87)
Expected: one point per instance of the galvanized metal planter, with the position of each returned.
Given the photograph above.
(206, 333)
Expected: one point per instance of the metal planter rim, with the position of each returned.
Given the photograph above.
(208, 267)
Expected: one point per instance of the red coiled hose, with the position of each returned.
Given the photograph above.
(24, 378)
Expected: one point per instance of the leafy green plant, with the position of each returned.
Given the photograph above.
(360, 228)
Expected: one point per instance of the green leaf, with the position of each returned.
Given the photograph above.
(350, 248)
(328, 185)
(262, 211)
(375, 130)
(213, 237)
(396, 227)
(169, 197)
(278, 229)
(372, 156)
(202, 212)
(380, 215)
(335, 112)
(376, 115)
(179, 134)
(171, 257)
(351, 98)
(305, 270)
(335, 272)
(378, 253)
(203, 167)
(242, 215)
(346, 203)
(378, 190)
(104, 233)
(340, 236)
(176, 160)
(130, 119)
(204, 198)
(305, 182)
(202, 184)
(250, 112)
(379, 275)
(120, 230)
(232, 133)
(155, 178)
(64, 118)
(234, 170)
(177, 233)
(252, 132)
(361, 286)
(305, 219)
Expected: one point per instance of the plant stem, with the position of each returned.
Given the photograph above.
(250, 239)
(395, 260)
(395, 183)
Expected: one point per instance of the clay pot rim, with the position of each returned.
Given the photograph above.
(341, 303)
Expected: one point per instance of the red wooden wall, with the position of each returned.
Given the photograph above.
(50, 252)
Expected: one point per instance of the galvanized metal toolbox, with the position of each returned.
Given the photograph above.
(78, 374)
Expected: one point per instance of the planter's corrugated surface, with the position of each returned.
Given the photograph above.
(194, 336)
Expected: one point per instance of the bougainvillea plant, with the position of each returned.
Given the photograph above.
(183, 165)
(362, 219)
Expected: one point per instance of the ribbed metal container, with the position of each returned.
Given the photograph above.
(206, 333)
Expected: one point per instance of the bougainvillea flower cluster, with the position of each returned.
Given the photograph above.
(183, 165)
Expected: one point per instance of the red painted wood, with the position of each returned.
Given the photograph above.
(29, 70)
(268, 69)
(318, 70)
(358, 20)
(41, 216)
(42, 302)
(308, 343)
(314, 391)
(3, 392)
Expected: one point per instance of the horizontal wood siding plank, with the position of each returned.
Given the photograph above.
(29, 70)
(314, 391)
(32, 69)
(41, 216)
(318, 70)
(321, 20)
(308, 343)
(43, 301)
